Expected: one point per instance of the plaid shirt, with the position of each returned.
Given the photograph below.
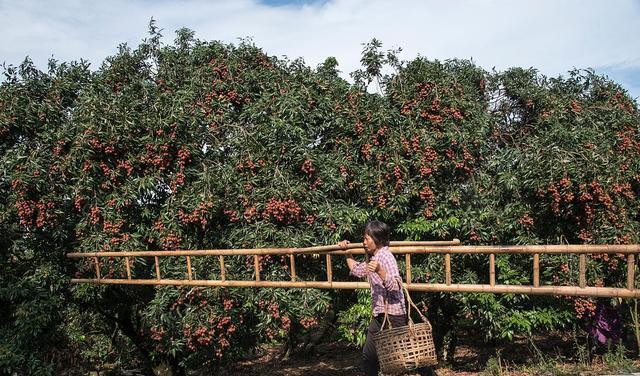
(380, 288)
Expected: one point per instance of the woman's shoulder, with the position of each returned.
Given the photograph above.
(386, 253)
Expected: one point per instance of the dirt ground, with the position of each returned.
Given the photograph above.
(339, 359)
(326, 359)
(329, 359)
(470, 358)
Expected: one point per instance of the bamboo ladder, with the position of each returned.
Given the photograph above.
(447, 248)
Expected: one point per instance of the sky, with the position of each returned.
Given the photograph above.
(553, 36)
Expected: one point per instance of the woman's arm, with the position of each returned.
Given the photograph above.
(375, 267)
(358, 269)
(351, 262)
(388, 271)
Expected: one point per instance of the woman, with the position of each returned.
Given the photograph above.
(384, 282)
(383, 274)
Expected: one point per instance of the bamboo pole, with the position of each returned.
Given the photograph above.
(356, 246)
(522, 249)
(157, 268)
(407, 259)
(631, 268)
(97, 264)
(126, 261)
(352, 248)
(329, 269)
(536, 270)
(189, 275)
(293, 267)
(497, 289)
(447, 269)
(492, 269)
(398, 249)
(256, 266)
(223, 272)
(583, 271)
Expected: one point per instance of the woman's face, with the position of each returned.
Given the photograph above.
(369, 244)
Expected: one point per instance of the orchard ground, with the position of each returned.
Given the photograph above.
(472, 357)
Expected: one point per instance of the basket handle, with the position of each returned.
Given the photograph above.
(411, 304)
(386, 315)
(406, 294)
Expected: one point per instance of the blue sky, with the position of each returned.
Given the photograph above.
(553, 36)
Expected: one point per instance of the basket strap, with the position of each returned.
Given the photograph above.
(386, 319)
(411, 304)
(386, 305)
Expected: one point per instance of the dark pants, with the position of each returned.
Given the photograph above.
(369, 354)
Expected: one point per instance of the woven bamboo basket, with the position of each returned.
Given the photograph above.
(407, 347)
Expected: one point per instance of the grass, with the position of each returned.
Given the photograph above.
(614, 361)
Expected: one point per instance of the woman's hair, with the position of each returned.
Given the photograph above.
(379, 231)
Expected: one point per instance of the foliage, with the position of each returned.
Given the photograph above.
(354, 321)
(199, 144)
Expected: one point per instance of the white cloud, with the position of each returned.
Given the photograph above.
(551, 35)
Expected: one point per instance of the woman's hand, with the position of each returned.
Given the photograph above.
(343, 244)
(350, 261)
(374, 267)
